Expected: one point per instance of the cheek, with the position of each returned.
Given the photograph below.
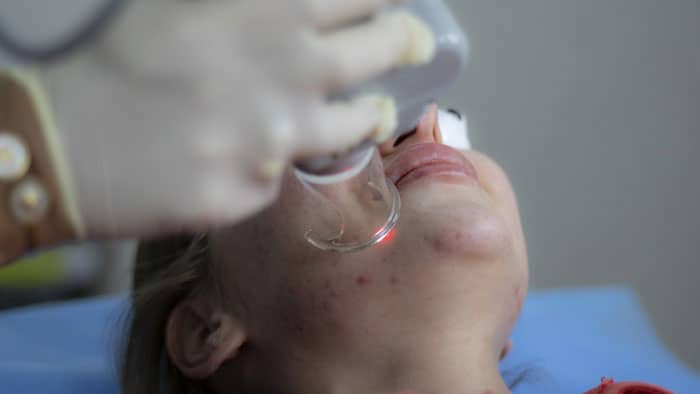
(473, 232)
(311, 313)
(342, 304)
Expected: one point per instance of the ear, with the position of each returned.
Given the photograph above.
(200, 337)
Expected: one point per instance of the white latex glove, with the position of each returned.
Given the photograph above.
(183, 115)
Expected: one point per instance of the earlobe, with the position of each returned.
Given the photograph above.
(199, 339)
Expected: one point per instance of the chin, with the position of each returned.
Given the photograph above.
(458, 227)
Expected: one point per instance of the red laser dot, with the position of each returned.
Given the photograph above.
(387, 237)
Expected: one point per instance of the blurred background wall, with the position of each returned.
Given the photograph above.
(593, 108)
(69, 272)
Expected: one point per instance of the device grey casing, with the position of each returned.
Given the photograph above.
(416, 87)
(413, 87)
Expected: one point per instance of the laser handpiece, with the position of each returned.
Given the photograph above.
(357, 206)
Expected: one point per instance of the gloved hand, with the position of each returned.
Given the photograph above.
(183, 115)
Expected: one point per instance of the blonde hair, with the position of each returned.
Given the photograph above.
(166, 271)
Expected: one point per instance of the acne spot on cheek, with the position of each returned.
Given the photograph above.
(438, 245)
(488, 392)
(363, 280)
(394, 280)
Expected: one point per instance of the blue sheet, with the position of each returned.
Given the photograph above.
(565, 341)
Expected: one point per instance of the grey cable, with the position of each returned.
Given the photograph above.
(84, 34)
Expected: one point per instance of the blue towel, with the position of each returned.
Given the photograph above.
(565, 341)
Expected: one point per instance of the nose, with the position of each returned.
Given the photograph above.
(428, 131)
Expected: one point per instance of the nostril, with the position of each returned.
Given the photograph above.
(404, 137)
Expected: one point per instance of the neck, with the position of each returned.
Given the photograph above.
(450, 374)
(441, 370)
(437, 372)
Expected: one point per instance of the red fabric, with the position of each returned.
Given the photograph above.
(608, 386)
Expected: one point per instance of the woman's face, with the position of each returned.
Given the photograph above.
(446, 288)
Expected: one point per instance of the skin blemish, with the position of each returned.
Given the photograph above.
(519, 299)
(488, 392)
(363, 280)
(394, 280)
(330, 289)
(438, 245)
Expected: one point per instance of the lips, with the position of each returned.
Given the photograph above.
(429, 160)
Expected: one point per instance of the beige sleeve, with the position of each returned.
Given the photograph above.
(36, 210)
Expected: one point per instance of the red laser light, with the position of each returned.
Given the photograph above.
(386, 237)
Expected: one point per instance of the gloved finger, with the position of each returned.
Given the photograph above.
(224, 196)
(342, 125)
(372, 48)
(327, 14)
